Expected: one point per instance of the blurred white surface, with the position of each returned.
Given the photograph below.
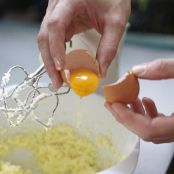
(18, 46)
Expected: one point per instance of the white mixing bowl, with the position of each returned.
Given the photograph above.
(89, 115)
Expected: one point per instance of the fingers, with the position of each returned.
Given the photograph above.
(62, 25)
(150, 107)
(106, 50)
(51, 38)
(155, 70)
(156, 130)
(43, 44)
(108, 45)
(65, 18)
(146, 107)
(162, 130)
(49, 65)
(135, 122)
(137, 107)
(111, 28)
(58, 22)
(57, 27)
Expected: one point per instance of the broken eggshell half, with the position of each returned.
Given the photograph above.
(125, 90)
(79, 58)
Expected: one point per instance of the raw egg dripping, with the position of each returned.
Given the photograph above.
(83, 81)
(83, 72)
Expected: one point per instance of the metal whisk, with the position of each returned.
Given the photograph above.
(23, 108)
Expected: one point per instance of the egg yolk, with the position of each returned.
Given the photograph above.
(83, 81)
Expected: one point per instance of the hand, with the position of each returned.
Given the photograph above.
(64, 18)
(142, 117)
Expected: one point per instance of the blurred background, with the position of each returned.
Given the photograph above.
(152, 16)
(150, 36)
(148, 16)
(28, 10)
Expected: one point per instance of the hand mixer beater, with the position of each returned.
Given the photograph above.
(23, 108)
(84, 79)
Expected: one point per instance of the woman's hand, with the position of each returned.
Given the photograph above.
(142, 117)
(64, 18)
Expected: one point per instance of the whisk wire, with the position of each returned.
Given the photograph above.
(24, 108)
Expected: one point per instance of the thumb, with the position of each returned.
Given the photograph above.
(155, 70)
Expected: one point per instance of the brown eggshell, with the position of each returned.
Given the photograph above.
(79, 58)
(125, 90)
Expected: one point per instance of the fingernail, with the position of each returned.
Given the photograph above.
(55, 82)
(57, 64)
(138, 69)
(107, 106)
(104, 68)
(55, 85)
(114, 107)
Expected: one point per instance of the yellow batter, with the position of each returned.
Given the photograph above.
(7, 168)
(59, 150)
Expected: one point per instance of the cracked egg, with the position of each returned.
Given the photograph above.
(125, 90)
(81, 72)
